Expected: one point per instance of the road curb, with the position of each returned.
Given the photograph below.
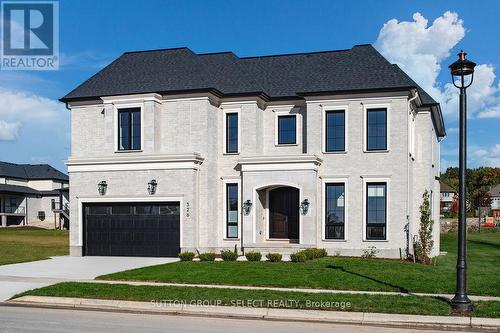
(338, 317)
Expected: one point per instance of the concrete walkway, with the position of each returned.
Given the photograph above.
(17, 278)
(358, 318)
(305, 290)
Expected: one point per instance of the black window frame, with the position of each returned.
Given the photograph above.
(130, 112)
(287, 116)
(335, 224)
(368, 129)
(232, 223)
(227, 130)
(376, 225)
(327, 113)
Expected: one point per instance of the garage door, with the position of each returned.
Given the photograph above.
(132, 229)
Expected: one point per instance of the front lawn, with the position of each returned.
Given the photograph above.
(344, 273)
(29, 244)
(161, 295)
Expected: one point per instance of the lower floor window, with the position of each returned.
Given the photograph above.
(232, 210)
(335, 210)
(376, 211)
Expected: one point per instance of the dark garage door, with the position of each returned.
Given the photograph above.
(132, 229)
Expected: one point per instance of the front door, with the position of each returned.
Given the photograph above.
(284, 213)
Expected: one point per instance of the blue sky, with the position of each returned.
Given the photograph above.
(93, 33)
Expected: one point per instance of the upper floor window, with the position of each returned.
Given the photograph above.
(335, 210)
(376, 211)
(335, 131)
(129, 129)
(376, 129)
(287, 130)
(232, 132)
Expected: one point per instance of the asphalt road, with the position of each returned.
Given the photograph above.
(24, 319)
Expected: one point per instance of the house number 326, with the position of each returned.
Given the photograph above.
(188, 209)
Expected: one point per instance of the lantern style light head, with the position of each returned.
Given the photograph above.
(304, 206)
(463, 66)
(102, 186)
(152, 186)
(247, 205)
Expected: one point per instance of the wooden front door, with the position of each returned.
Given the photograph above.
(284, 213)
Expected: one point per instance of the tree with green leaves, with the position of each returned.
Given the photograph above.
(424, 243)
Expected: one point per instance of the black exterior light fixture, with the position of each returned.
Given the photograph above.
(102, 186)
(152, 186)
(304, 206)
(247, 206)
(460, 71)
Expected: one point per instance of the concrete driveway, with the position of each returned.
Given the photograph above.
(17, 278)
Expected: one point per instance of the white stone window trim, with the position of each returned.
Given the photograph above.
(83, 200)
(224, 124)
(325, 109)
(224, 182)
(279, 113)
(368, 106)
(336, 180)
(377, 179)
(116, 108)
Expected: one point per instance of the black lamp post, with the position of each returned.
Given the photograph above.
(459, 70)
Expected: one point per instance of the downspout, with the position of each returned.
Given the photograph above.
(408, 161)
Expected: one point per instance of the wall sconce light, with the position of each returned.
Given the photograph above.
(152, 186)
(102, 186)
(304, 206)
(247, 205)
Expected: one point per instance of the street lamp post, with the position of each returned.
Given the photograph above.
(460, 69)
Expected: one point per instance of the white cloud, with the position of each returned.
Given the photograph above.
(9, 131)
(487, 156)
(420, 49)
(18, 108)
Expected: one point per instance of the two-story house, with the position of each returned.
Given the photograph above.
(494, 193)
(448, 197)
(173, 150)
(33, 193)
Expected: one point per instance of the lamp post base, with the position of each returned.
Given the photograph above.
(461, 303)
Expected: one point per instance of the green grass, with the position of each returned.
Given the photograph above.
(29, 244)
(263, 298)
(344, 273)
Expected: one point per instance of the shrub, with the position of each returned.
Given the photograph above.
(186, 256)
(228, 255)
(314, 253)
(274, 257)
(253, 256)
(423, 245)
(207, 256)
(370, 252)
(298, 257)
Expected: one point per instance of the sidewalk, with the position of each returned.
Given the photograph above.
(394, 320)
(305, 290)
(46, 281)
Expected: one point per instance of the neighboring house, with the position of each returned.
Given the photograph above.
(173, 150)
(448, 196)
(495, 202)
(32, 193)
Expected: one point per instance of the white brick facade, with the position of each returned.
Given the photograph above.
(183, 149)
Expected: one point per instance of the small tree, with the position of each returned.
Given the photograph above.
(424, 244)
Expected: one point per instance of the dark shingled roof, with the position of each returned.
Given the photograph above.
(446, 188)
(8, 188)
(495, 191)
(361, 68)
(31, 171)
